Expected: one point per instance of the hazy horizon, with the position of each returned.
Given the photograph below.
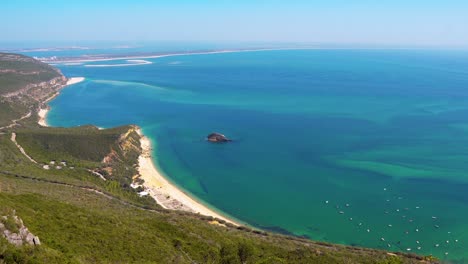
(385, 23)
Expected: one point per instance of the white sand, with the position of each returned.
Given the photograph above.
(75, 80)
(130, 63)
(43, 111)
(165, 193)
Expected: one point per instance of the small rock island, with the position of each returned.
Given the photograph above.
(217, 138)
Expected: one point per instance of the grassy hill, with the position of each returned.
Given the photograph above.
(84, 211)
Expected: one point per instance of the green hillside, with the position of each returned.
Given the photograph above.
(81, 206)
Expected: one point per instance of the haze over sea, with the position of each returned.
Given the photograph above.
(359, 147)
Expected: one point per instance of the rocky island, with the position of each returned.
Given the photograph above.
(217, 138)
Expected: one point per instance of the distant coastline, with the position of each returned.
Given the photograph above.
(84, 59)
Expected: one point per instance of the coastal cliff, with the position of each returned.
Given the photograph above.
(81, 217)
(25, 85)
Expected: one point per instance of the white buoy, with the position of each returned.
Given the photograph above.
(417, 230)
(326, 202)
(456, 240)
(384, 189)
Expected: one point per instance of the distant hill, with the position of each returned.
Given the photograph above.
(71, 189)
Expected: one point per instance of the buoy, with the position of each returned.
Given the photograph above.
(326, 202)
(360, 224)
(417, 230)
(456, 240)
(347, 205)
(351, 219)
(368, 230)
(384, 189)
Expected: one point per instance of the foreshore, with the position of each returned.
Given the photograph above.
(165, 193)
(42, 113)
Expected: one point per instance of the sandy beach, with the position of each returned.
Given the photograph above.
(43, 111)
(164, 192)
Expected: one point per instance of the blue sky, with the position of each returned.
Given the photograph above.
(374, 22)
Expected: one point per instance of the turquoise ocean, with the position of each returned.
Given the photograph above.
(358, 147)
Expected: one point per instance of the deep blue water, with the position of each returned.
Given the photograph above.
(382, 135)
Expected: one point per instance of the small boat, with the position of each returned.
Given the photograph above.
(383, 239)
(368, 230)
(419, 248)
(434, 217)
(436, 245)
(341, 212)
(389, 225)
(436, 226)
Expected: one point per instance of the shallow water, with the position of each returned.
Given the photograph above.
(380, 135)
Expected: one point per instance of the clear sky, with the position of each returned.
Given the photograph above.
(389, 22)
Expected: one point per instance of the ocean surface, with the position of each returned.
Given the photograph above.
(358, 147)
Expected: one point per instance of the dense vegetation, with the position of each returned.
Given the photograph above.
(82, 218)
